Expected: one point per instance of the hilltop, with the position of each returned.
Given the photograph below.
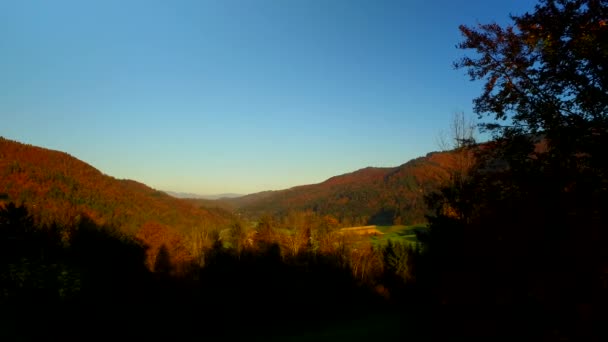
(370, 195)
(59, 188)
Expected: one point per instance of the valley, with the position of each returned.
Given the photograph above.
(279, 171)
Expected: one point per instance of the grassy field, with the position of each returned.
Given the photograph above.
(397, 233)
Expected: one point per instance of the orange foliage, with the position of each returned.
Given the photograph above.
(155, 236)
(355, 198)
(57, 187)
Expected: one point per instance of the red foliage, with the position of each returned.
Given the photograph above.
(355, 198)
(58, 187)
(155, 236)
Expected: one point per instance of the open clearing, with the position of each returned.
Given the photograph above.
(398, 233)
(362, 230)
(381, 234)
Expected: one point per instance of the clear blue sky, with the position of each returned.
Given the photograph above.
(236, 96)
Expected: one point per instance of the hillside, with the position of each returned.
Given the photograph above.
(370, 195)
(58, 188)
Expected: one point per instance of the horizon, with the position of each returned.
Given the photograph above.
(234, 97)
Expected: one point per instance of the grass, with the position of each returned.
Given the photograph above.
(397, 233)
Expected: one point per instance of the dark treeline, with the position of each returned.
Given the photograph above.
(517, 248)
(90, 282)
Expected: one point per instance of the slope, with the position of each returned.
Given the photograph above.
(58, 188)
(370, 195)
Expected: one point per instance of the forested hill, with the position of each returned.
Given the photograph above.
(58, 188)
(369, 195)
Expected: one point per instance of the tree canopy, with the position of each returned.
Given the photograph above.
(546, 71)
(526, 227)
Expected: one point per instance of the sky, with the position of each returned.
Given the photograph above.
(240, 96)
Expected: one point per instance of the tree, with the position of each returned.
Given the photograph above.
(461, 133)
(200, 241)
(297, 231)
(162, 264)
(528, 226)
(157, 237)
(548, 75)
(460, 141)
(238, 235)
(546, 72)
(265, 232)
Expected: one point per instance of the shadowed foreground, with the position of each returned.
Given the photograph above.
(91, 283)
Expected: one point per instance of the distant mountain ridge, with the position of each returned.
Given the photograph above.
(61, 186)
(370, 195)
(199, 196)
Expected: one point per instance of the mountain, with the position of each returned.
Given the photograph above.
(198, 196)
(58, 188)
(182, 194)
(370, 195)
(221, 196)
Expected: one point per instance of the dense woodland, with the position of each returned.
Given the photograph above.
(515, 247)
(98, 280)
(367, 196)
(58, 187)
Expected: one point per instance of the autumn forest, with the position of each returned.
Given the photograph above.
(495, 240)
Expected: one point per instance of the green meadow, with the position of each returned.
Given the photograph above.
(398, 233)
